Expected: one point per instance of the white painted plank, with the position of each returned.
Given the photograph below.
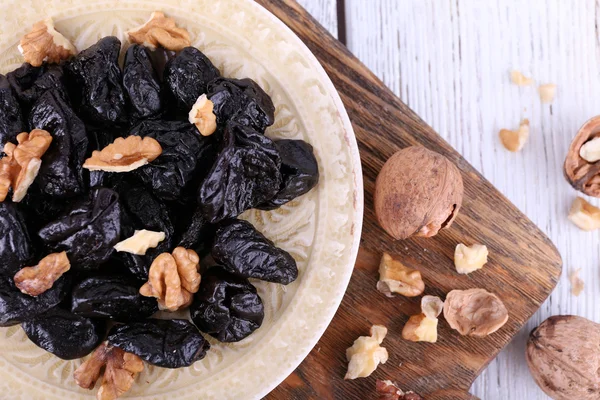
(450, 61)
(324, 11)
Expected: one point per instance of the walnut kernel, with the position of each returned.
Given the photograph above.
(469, 259)
(474, 312)
(519, 79)
(36, 280)
(547, 92)
(203, 117)
(44, 44)
(120, 371)
(395, 277)
(388, 390)
(173, 279)
(366, 353)
(584, 215)
(162, 31)
(590, 151)
(423, 327)
(124, 155)
(140, 242)
(515, 140)
(577, 284)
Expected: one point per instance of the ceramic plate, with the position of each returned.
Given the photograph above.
(321, 229)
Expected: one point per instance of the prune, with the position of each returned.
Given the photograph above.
(187, 75)
(246, 174)
(16, 307)
(226, 306)
(299, 170)
(114, 297)
(141, 83)
(198, 234)
(183, 151)
(166, 343)
(15, 244)
(244, 251)
(29, 83)
(160, 57)
(87, 231)
(11, 120)
(95, 81)
(242, 100)
(61, 172)
(64, 334)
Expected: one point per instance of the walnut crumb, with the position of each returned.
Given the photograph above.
(366, 354)
(36, 280)
(515, 140)
(173, 279)
(44, 44)
(140, 242)
(203, 117)
(120, 370)
(394, 277)
(577, 284)
(20, 166)
(468, 259)
(124, 155)
(584, 215)
(388, 390)
(547, 92)
(519, 79)
(162, 31)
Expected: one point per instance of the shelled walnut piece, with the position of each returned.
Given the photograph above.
(37, 279)
(469, 259)
(547, 92)
(515, 140)
(366, 353)
(44, 44)
(519, 79)
(173, 279)
(203, 117)
(388, 390)
(584, 215)
(474, 312)
(423, 327)
(162, 31)
(577, 284)
(394, 277)
(124, 155)
(581, 167)
(140, 242)
(120, 370)
(21, 165)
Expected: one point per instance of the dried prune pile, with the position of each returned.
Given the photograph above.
(132, 207)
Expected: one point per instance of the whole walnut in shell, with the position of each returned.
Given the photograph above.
(582, 168)
(417, 192)
(563, 355)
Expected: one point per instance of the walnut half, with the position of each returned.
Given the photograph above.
(366, 353)
(160, 30)
(395, 277)
(120, 370)
(173, 279)
(36, 280)
(124, 155)
(44, 44)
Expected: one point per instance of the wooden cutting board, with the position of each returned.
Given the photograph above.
(523, 268)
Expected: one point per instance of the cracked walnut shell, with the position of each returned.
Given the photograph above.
(124, 155)
(581, 167)
(44, 44)
(203, 117)
(37, 279)
(366, 353)
(474, 312)
(394, 277)
(162, 31)
(120, 370)
(173, 279)
(20, 166)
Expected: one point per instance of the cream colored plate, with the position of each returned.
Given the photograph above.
(321, 229)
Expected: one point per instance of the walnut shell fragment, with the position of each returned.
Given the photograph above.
(120, 370)
(173, 279)
(124, 155)
(20, 166)
(366, 353)
(562, 355)
(37, 279)
(417, 192)
(474, 312)
(44, 44)
(395, 277)
(162, 31)
(203, 117)
(581, 167)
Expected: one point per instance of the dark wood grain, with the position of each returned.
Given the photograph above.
(523, 267)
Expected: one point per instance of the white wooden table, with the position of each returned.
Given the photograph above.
(449, 60)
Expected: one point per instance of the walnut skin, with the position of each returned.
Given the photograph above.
(36, 280)
(173, 279)
(417, 192)
(394, 277)
(474, 312)
(124, 155)
(582, 174)
(44, 43)
(562, 355)
(160, 31)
